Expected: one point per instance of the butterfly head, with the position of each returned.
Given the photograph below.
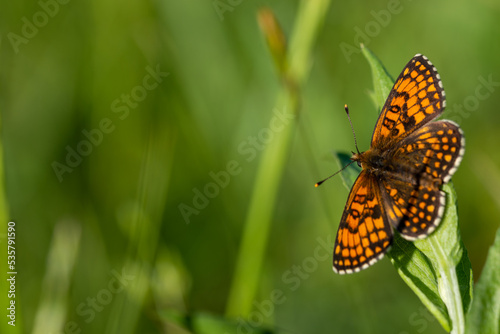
(359, 158)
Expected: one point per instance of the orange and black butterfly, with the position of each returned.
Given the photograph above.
(409, 159)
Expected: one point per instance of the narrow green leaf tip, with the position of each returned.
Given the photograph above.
(484, 316)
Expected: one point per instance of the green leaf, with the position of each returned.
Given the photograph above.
(412, 264)
(436, 268)
(350, 173)
(449, 257)
(484, 316)
(418, 273)
(382, 81)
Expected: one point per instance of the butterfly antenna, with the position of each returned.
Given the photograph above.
(355, 143)
(320, 182)
(352, 128)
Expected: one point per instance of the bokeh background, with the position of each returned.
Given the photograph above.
(167, 92)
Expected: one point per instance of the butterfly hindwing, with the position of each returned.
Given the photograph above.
(414, 210)
(434, 151)
(427, 159)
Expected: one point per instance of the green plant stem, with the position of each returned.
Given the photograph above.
(257, 225)
(258, 222)
(448, 287)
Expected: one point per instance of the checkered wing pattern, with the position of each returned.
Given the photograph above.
(426, 160)
(432, 153)
(363, 236)
(410, 158)
(415, 211)
(416, 98)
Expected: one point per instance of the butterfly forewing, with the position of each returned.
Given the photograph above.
(416, 98)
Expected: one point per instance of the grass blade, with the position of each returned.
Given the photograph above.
(484, 316)
(258, 221)
(51, 313)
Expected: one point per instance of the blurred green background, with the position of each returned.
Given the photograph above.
(115, 114)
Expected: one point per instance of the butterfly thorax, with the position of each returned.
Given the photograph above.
(383, 163)
(386, 163)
